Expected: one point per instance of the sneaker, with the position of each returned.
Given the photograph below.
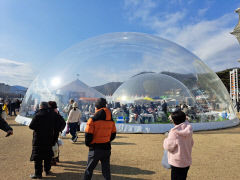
(48, 173)
(34, 176)
(53, 163)
(75, 139)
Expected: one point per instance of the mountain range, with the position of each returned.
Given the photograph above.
(18, 90)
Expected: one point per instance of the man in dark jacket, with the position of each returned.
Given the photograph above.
(99, 133)
(13, 108)
(44, 125)
(164, 107)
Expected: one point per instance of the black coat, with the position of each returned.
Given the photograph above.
(44, 124)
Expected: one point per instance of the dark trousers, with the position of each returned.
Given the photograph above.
(73, 129)
(93, 157)
(13, 110)
(179, 173)
(39, 167)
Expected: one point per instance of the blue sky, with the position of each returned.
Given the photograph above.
(32, 32)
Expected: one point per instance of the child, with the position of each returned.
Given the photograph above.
(179, 145)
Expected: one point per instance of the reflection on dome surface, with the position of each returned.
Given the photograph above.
(136, 72)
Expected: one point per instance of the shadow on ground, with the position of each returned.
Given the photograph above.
(16, 125)
(122, 143)
(113, 143)
(120, 137)
(73, 175)
(115, 169)
(76, 169)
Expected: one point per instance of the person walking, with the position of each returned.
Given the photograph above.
(44, 125)
(60, 126)
(164, 107)
(179, 145)
(9, 107)
(73, 121)
(13, 108)
(69, 107)
(99, 133)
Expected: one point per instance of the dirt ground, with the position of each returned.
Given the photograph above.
(134, 156)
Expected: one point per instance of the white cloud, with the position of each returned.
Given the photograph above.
(15, 73)
(202, 11)
(139, 9)
(206, 38)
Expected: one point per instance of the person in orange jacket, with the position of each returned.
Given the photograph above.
(99, 133)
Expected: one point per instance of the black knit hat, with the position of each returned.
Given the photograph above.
(101, 102)
(52, 104)
(43, 105)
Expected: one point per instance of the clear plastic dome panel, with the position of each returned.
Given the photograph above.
(152, 86)
(131, 69)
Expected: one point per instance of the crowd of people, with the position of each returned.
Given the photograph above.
(47, 123)
(9, 107)
(100, 130)
(140, 113)
(131, 113)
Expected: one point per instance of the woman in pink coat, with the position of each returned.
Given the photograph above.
(179, 145)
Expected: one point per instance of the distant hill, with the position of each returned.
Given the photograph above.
(186, 79)
(109, 88)
(18, 89)
(7, 91)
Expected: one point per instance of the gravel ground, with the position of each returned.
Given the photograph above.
(134, 156)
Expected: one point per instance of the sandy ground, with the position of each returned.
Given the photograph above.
(134, 156)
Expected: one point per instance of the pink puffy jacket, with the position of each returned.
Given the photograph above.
(179, 144)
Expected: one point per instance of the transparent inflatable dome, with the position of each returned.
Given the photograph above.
(151, 87)
(143, 77)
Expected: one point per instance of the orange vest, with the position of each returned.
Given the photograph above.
(101, 126)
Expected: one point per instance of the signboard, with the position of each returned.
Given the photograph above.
(234, 85)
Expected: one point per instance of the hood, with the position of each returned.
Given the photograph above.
(183, 129)
(107, 113)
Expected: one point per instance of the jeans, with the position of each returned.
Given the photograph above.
(73, 129)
